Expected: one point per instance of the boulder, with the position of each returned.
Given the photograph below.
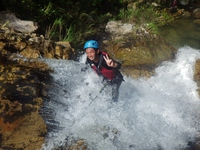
(21, 96)
(139, 50)
(10, 21)
(196, 13)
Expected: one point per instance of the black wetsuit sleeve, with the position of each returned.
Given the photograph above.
(118, 65)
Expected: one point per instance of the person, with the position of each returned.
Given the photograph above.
(174, 6)
(174, 3)
(104, 66)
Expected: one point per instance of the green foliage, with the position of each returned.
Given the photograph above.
(127, 15)
(152, 27)
(146, 14)
(80, 29)
(55, 29)
(77, 20)
(64, 19)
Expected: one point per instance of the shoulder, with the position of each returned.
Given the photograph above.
(104, 53)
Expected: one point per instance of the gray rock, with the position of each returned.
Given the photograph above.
(13, 23)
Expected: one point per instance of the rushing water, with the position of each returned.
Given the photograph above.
(161, 112)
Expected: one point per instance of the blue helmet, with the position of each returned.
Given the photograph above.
(91, 44)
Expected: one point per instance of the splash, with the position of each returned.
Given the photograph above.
(156, 113)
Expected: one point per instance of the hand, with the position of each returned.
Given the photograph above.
(109, 61)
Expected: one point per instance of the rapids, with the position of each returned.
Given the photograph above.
(161, 112)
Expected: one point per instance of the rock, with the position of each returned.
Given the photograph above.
(196, 13)
(197, 74)
(136, 48)
(35, 46)
(64, 50)
(116, 28)
(185, 14)
(21, 128)
(197, 22)
(21, 95)
(13, 23)
(18, 38)
(184, 2)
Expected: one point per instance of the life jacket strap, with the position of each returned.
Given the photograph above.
(100, 61)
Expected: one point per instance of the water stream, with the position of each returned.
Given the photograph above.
(161, 112)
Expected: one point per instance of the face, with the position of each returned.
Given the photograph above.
(92, 54)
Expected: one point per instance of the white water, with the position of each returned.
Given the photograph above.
(157, 113)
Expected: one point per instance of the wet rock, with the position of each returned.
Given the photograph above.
(21, 126)
(197, 22)
(185, 14)
(80, 144)
(23, 82)
(197, 74)
(63, 50)
(196, 13)
(136, 48)
(30, 46)
(16, 36)
(22, 91)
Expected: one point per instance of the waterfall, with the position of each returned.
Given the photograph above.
(161, 112)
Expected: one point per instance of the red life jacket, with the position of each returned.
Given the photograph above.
(108, 72)
(174, 3)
